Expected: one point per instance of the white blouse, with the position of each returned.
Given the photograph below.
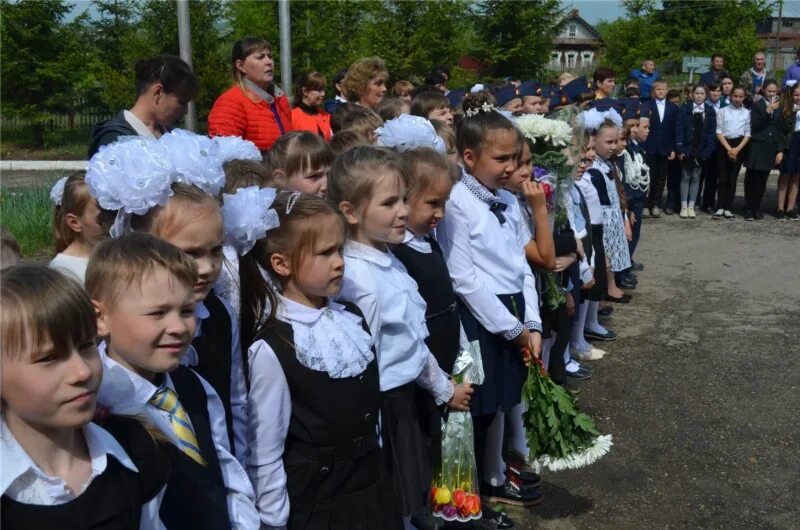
(23, 481)
(733, 122)
(330, 340)
(73, 266)
(487, 258)
(378, 283)
(125, 392)
(592, 199)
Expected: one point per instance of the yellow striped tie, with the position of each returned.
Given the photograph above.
(167, 400)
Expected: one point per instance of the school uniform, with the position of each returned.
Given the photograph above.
(767, 131)
(791, 158)
(207, 491)
(615, 243)
(635, 182)
(660, 143)
(594, 250)
(73, 266)
(712, 76)
(119, 494)
(734, 124)
(695, 139)
(314, 400)
(423, 259)
(378, 283)
(483, 243)
(216, 355)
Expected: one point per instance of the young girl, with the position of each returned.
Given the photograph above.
(300, 162)
(484, 245)
(733, 135)
(59, 470)
(694, 142)
(789, 180)
(308, 115)
(369, 186)
(313, 465)
(76, 230)
(142, 289)
(766, 147)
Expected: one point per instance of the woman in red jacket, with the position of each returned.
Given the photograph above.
(254, 108)
(365, 82)
(308, 115)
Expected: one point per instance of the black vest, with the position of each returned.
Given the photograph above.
(195, 498)
(114, 499)
(436, 288)
(213, 347)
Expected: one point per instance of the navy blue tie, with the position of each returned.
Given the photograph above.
(497, 208)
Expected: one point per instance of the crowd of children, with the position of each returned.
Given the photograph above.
(235, 338)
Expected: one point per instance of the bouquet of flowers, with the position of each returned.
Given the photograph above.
(559, 436)
(455, 494)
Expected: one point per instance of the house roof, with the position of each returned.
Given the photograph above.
(575, 16)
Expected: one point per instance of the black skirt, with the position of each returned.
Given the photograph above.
(405, 449)
(599, 292)
(791, 158)
(503, 368)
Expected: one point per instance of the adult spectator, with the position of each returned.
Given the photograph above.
(604, 83)
(253, 108)
(753, 78)
(338, 87)
(365, 82)
(646, 75)
(717, 71)
(793, 72)
(164, 87)
(307, 114)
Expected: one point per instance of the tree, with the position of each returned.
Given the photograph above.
(517, 37)
(36, 47)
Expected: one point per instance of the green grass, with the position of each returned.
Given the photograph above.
(60, 144)
(27, 212)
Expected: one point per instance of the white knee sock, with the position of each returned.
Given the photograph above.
(494, 468)
(592, 323)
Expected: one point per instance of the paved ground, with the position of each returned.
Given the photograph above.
(701, 391)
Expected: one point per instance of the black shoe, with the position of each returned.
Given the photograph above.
(500, 519)
(624, 299)
(749, 216)
(780, 215)
(520, 473)
(605, 311)
(637, 267)
(627, 283)
(580, 374)
(508, 493)
(759, 215)
(668, 211)
(791, 215)
(608, 336)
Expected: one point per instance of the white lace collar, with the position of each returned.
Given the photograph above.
(418, 243)
(328, 340)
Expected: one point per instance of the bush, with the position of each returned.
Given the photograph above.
(27, 212)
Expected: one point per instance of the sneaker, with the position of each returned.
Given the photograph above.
(791, 215)
(748, 216)
(508, 493)
(580, 374)
(780, 215)
(684, 213)
(668, 211)
(655, 211)
(728, 214)
(718, 214)
(595, 354)
(690, 211)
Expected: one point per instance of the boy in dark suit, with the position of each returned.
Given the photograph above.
(660, 145)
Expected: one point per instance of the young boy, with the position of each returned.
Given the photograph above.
(660, 145)
(142, 291)
(531, 93)
(509, 99)
(432, 105)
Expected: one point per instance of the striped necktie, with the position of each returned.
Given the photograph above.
(167, 400)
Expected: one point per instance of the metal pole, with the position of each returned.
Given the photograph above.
(185, 45)
(778, 39)
(284, 26)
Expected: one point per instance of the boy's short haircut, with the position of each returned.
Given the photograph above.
(715, 55)
(9, 249)
(602, 73)
(712, 86)
(360, 119)
(118, 263)
(632, 92)
(245, 173)
(631, 81)
(659, 82)
(426, 102)
(673, 93)
(343, 141)
(391, 107)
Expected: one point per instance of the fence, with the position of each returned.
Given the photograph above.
(83, 117)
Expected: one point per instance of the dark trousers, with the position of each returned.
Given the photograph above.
(635, 205)
(560, 323)
(658, 177)
(673, 184)
(755, 184)
(727, 175)
(707, 193)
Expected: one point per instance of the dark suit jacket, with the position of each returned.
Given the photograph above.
(684, 132)
(662, 134)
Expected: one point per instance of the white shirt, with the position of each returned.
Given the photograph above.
(270, 400)
(23, 481)
(733, 122)
(238, 384)
(661, 106)
(378, 283)
(592, 199)
(125, 392)
(418, 243)
(73, 266)
(487, 258)
(227, 284)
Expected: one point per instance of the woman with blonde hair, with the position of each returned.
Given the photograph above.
(365, 82)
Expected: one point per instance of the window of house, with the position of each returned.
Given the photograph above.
(573, 30)
(788, 24)
(570, 60)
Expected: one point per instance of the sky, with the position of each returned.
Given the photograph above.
(594, 10)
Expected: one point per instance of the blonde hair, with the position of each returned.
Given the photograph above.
(74, 201)
(425, 167)
(354, 174)
(362, 120)
(343, 141)
(43, 308)
(166, 221)
(446, 133)
(116, 264)
(242, 49)
(360, 74)
(245, 173)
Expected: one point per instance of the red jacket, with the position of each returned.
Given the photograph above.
(235, 114)
(319, 123)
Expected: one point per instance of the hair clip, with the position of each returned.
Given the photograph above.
(292, 199)
(486, 107)
(57, 193)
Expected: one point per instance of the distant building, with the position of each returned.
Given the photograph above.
(779, 41)
(576, 47)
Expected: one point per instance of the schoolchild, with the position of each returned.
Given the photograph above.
(733, 135)
(360, 119)
(338, 88)
(432, 105)
(789, 179)
(726, 86)
(368, 184)
(508, 98)
(636, 180)
(694, 141)
(634, 197)
(308, 114)
(660, 144)
(299, 162)
(315, 463)
(392, 107)
(59, 470)
(143, 292)
(76, 225)
(714, 93)
(484, 244)
(343, 141)
(448, 135)
(767, 138)
(403, 90)
(672, 203)
(531, 93)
